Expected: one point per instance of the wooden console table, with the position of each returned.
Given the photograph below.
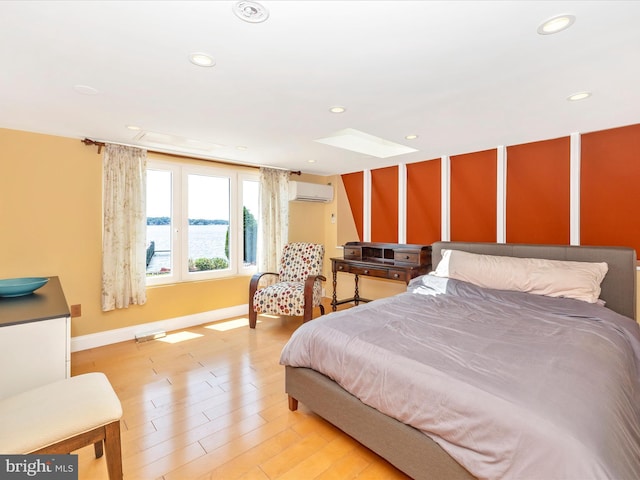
(393, 261)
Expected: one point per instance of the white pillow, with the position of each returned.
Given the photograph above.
(554, 278)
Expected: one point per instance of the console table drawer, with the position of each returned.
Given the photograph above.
(342, 267)
(406, 257)
(369, 272)
(353, 253)
(397, 274)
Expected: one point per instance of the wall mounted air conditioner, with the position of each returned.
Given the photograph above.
(310, 192)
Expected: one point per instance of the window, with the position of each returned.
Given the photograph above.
(202, 222)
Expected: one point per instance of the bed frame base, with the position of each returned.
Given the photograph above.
(403, 446)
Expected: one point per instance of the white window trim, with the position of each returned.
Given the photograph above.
(242, 177)
(179, 227)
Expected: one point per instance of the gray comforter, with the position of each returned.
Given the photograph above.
(511, 385)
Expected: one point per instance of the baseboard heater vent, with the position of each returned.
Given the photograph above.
(148, 336)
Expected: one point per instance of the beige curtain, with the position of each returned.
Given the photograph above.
(274, 217)
(124, 227)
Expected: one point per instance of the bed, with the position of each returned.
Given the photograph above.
(385, 427)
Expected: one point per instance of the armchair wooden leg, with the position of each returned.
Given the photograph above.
(309, 285)
(308, 311)
(253, 287)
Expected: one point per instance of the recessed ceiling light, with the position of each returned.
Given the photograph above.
(337, 109)
(578, 96)
(133, 127)
(556, 24)
(311, 161)
(85, 90)
(202, 59)
(241, 147)
(251, 12)
(411, 137)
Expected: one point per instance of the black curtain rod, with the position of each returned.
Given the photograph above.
(100, 145)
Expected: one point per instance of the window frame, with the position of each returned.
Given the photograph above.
(242, 177)
(180, 222)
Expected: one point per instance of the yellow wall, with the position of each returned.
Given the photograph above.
(306, 219)
(311, 222)
(51, 225)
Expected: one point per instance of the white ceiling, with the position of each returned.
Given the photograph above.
(464, 76)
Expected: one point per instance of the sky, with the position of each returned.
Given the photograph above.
(208, 196)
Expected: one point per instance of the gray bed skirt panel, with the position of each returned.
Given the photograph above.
(618, 286)
(403, 446)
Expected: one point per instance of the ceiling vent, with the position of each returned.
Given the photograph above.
(310, 192)
(251, 12)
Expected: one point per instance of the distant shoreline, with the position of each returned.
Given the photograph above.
(192, 221)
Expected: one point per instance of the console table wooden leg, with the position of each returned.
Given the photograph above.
(356, 293)
(334, 300)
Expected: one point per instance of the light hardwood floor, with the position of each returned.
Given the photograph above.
(212, 406)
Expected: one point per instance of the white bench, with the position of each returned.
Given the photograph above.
(62, 417)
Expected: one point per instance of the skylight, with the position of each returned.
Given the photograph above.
(357, 141)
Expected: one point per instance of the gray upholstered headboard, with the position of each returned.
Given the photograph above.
(618, 286)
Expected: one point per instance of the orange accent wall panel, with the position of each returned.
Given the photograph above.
(354, 186)
(538, 189)
(384, 205)
(424, 200)
(473, 197)
(610, 187)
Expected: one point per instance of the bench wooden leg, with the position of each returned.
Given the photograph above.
(107, 437)
(114, 450)
(98, 447)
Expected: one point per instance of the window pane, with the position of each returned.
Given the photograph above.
(208, 214)
(159, 247)
(250, 202)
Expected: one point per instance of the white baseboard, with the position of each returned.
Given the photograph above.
(100, 339)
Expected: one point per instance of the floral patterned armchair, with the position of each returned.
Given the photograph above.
(298, 288)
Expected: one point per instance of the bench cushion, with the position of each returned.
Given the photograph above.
(57, 411)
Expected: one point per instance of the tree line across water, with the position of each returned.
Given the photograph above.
(192, 221)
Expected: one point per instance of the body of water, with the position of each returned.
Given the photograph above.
(205, 241)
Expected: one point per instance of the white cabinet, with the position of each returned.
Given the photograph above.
(35, 339)
(33, 354)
